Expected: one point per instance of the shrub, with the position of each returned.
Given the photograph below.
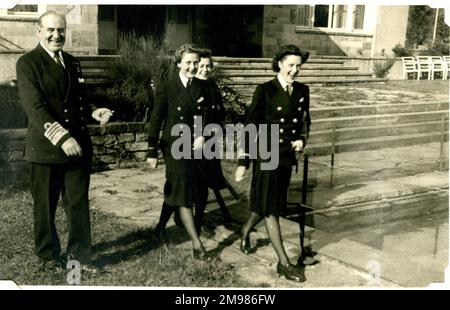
(234, 104)
(381, 67)
(134, 76)
(400, 51)
(143, 64)
(437, 49)
(12, 116)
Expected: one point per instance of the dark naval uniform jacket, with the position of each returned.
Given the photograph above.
(271, 104)
(176, 106)
(55, 102)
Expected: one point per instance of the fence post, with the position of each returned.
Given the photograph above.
(333, 146)
(441, 151)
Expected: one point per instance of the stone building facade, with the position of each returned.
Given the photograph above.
(249, 31)
(90, 29)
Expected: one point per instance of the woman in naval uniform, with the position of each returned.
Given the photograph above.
(284, 102)
(184, 102)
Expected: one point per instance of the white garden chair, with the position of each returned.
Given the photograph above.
(423, 66)
(409, 66)
(438, 65)
(446, 60)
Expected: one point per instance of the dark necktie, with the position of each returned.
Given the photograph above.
(58, 61)
(289, 90)
(188, 84)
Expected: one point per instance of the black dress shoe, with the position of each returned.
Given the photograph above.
(291, 272)
(200, 254)
(245, 244)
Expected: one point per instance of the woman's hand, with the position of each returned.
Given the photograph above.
(297, 145)
(102, 115)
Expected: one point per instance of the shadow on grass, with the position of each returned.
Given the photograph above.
(132, 245)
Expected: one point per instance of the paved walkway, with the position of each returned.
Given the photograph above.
(380, 218)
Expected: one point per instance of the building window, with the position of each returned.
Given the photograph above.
(304, 15)
(339, 16)
(24, 10)
(330, 16)
(358, 17)
(321, 13)
(20, 9)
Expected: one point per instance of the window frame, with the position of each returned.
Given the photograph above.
(41, 9)
(349, 18)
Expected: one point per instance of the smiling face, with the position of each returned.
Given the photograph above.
(189, 64)
(52, 32)
(204, 68)
(290, 67)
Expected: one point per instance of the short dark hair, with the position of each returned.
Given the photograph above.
(206, 53)
(287, 50)
(186, 48)
(48, 13)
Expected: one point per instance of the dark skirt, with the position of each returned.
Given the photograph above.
(212, 174)
(269, 190)
(184, 184)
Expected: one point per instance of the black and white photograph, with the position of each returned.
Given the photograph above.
(224, 145)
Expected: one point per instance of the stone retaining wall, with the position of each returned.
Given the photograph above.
(115, 144)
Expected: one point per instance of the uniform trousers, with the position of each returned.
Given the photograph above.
(71, 181)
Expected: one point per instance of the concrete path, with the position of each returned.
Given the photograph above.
(379, 219)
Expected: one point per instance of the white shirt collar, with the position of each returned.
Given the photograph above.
(282, 81)
(184, 79)
(53, 54)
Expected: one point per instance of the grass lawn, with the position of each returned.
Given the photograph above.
(128, 255)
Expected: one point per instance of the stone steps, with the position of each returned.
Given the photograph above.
(319, 70)
(261, 77)
(232, 69)
(267, 61)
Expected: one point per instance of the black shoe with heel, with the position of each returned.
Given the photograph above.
(245, 244)
(291, 272)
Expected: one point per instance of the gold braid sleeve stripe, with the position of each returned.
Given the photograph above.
(54, 132)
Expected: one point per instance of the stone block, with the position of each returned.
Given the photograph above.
(104, 159)
(75, 38)
(125, 137)
(99, 149)
(96, 130)
(104, 140)
(136, 146)
(125, 127)
(140, 156)
(141, 137)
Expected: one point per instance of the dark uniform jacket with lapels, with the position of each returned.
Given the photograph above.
(175, 105)
(271, 104)
(54, 100)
